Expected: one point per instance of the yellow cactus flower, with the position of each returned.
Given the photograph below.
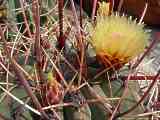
(117, 39)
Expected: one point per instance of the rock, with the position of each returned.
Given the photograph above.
(136, 8)
(133, 7)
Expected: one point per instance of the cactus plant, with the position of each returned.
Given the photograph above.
(56, 63)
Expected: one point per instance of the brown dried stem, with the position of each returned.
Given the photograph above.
(61, 40)
(25, 19)
(37, 44)
(94, 9)
(142, 98)
(80, 44)
(81, 12)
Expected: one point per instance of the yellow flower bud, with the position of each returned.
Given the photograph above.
(103, 9)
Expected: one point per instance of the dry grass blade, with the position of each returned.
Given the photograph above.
(20, 101)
